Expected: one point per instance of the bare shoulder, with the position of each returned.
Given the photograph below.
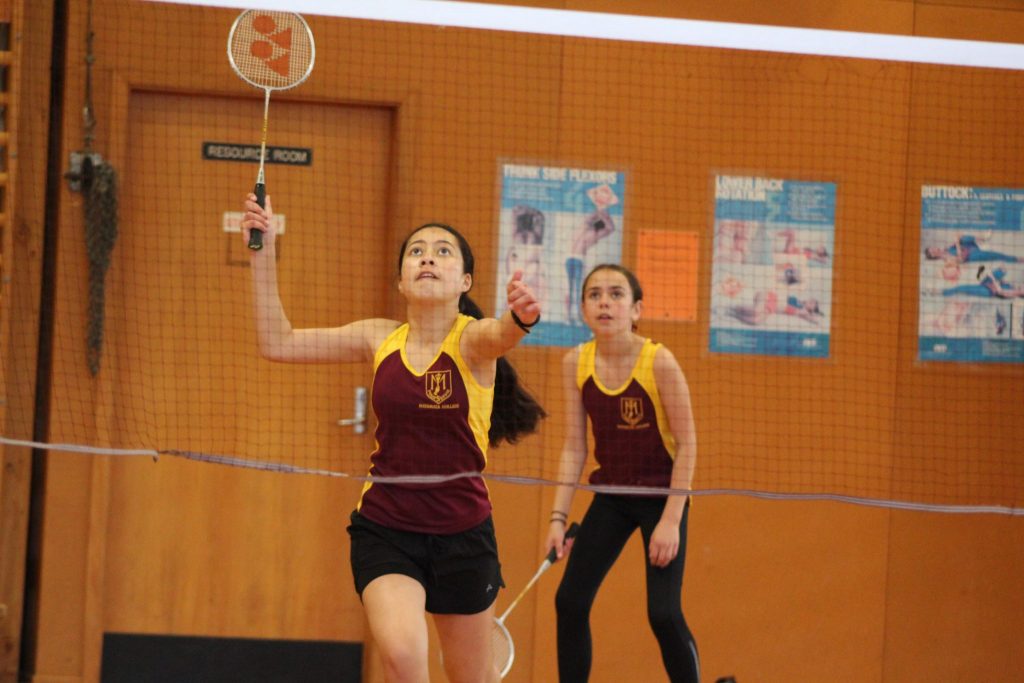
(571, 359)
(665, 363)
(572, 355)
(664, 355)
(375, 330)
(477, 344)
(673, 387)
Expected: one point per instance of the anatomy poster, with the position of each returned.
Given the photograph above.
(971, 306)
(771, 288)
(557, 223)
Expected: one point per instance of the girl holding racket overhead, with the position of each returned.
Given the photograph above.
(638, 402)
(425, 546)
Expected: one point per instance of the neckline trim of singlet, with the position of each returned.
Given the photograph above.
(440, 350)
(632, 373)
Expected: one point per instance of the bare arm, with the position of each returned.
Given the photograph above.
(278, 341)
(573, 456)
(485, 340)
(675, 398)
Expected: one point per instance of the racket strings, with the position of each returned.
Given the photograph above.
(502, 648)
(271, 49)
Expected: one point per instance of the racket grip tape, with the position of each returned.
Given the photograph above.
(569, 533)
(256, 236)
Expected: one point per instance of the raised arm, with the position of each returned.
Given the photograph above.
(278, 341)
(675, 398)
(572, 459)
(485, 340)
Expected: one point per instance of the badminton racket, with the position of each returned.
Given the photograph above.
(503, 647)
(271, 51)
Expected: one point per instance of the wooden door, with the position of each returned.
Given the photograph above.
(207, 549)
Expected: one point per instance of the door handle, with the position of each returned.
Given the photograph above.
(357, 421)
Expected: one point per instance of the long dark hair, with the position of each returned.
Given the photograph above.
(515, 412)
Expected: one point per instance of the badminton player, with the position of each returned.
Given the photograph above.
(639, 405)
(422, 548)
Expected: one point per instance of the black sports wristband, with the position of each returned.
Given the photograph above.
(520, 324)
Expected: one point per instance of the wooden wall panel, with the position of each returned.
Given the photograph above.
(29, 83)
(206, 550)
(774, 590)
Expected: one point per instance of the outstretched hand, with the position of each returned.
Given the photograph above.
(521, 299)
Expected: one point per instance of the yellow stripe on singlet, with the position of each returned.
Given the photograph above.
(642, 372)
(481, 399)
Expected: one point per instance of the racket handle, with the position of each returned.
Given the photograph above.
(569, 533)
(256, 236)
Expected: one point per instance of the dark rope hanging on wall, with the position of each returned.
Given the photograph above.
(99, 184)
(99, 187)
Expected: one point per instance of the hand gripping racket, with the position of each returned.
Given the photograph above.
(503, 647)
(273, 51)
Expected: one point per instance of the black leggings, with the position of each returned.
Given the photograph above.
(608, 524)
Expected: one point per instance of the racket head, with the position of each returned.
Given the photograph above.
(271, 50)
(503, 648)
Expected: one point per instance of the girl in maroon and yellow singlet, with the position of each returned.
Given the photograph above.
(422, 540)
(638, 402)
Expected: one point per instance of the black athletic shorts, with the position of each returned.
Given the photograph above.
(459, 572)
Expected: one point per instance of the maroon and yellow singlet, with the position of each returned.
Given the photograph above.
(632, 442)
(434, 423)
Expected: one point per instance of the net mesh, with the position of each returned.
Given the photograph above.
(776, 207)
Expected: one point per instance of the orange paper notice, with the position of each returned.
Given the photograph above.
(667, 268)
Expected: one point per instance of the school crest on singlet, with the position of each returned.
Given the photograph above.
(632, 443)
(433, 422)
(631, 409)
(438, 387)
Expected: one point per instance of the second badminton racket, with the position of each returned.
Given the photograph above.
(503, 647)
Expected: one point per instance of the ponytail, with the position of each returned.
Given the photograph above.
(515, 412)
